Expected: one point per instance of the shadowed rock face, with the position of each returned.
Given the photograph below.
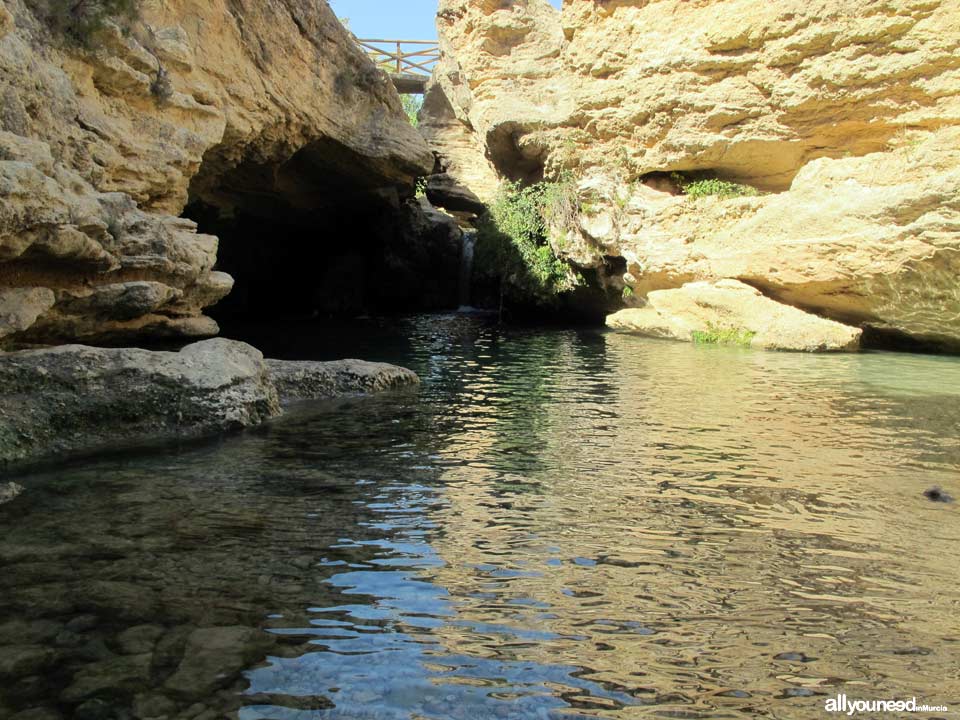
(266, 107)
(845, 113)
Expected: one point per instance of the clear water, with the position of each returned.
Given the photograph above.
(558, 524)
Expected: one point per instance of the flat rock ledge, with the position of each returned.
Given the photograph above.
(729, 312)
(312, 380)
(75, 398)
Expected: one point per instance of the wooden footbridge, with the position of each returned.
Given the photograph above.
(408, 62)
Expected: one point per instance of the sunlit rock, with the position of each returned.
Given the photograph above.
(729, 312)
(266, 106)
(835, 124)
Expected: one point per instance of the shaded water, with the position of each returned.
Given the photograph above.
(559, 524)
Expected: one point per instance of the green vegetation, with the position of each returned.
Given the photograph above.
(80, 20)
(161, 88)
(411, 106)
(420, 187)
(589, 209)
(627, 292)
(715, 335)
(513, 240)
(561, 204)
(704, 187)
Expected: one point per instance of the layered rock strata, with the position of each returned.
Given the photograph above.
(842, 119)
(265, 106)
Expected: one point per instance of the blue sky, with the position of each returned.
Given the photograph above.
(392, 19)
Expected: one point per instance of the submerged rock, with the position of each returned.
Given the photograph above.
(19, 661)
(730, 312)
(113, 676)
(38, 714)
(77, 398)
(214, 658)
(310, 380)
(139, 639)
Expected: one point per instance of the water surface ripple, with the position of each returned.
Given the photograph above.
(558, 524)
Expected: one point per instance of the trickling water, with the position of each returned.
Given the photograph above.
(469, 242)
(559, 524)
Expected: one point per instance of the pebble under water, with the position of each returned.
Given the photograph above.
(558, 524)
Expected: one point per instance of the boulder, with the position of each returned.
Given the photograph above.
(444, 191)
(730, 312)
(76, 398)
(311, 380)
(9, 491)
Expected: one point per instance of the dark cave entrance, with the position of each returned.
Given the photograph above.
(322, 237)
(352, 261)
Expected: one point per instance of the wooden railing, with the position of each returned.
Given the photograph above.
(395, 59)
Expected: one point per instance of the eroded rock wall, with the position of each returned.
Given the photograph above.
(266, 106)
(845, 116)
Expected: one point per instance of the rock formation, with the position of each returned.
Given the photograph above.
(265, 106)
(312, 380)
(842, 117)
(9, 491)
(74, 398)
(729, 312)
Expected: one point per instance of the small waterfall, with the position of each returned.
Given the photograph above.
(467, 244)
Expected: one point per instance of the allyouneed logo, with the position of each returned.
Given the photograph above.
(842, 704)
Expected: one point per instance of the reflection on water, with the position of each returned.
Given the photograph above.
(560, 524)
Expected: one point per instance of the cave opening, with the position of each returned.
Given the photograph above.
(321, 237)
(876, 338)
(514, 155)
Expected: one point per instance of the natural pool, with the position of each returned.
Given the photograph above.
(558, 524)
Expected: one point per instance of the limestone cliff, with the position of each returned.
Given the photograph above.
(265, 105)
(843, 116)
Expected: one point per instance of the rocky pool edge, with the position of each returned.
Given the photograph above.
(74, 399)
